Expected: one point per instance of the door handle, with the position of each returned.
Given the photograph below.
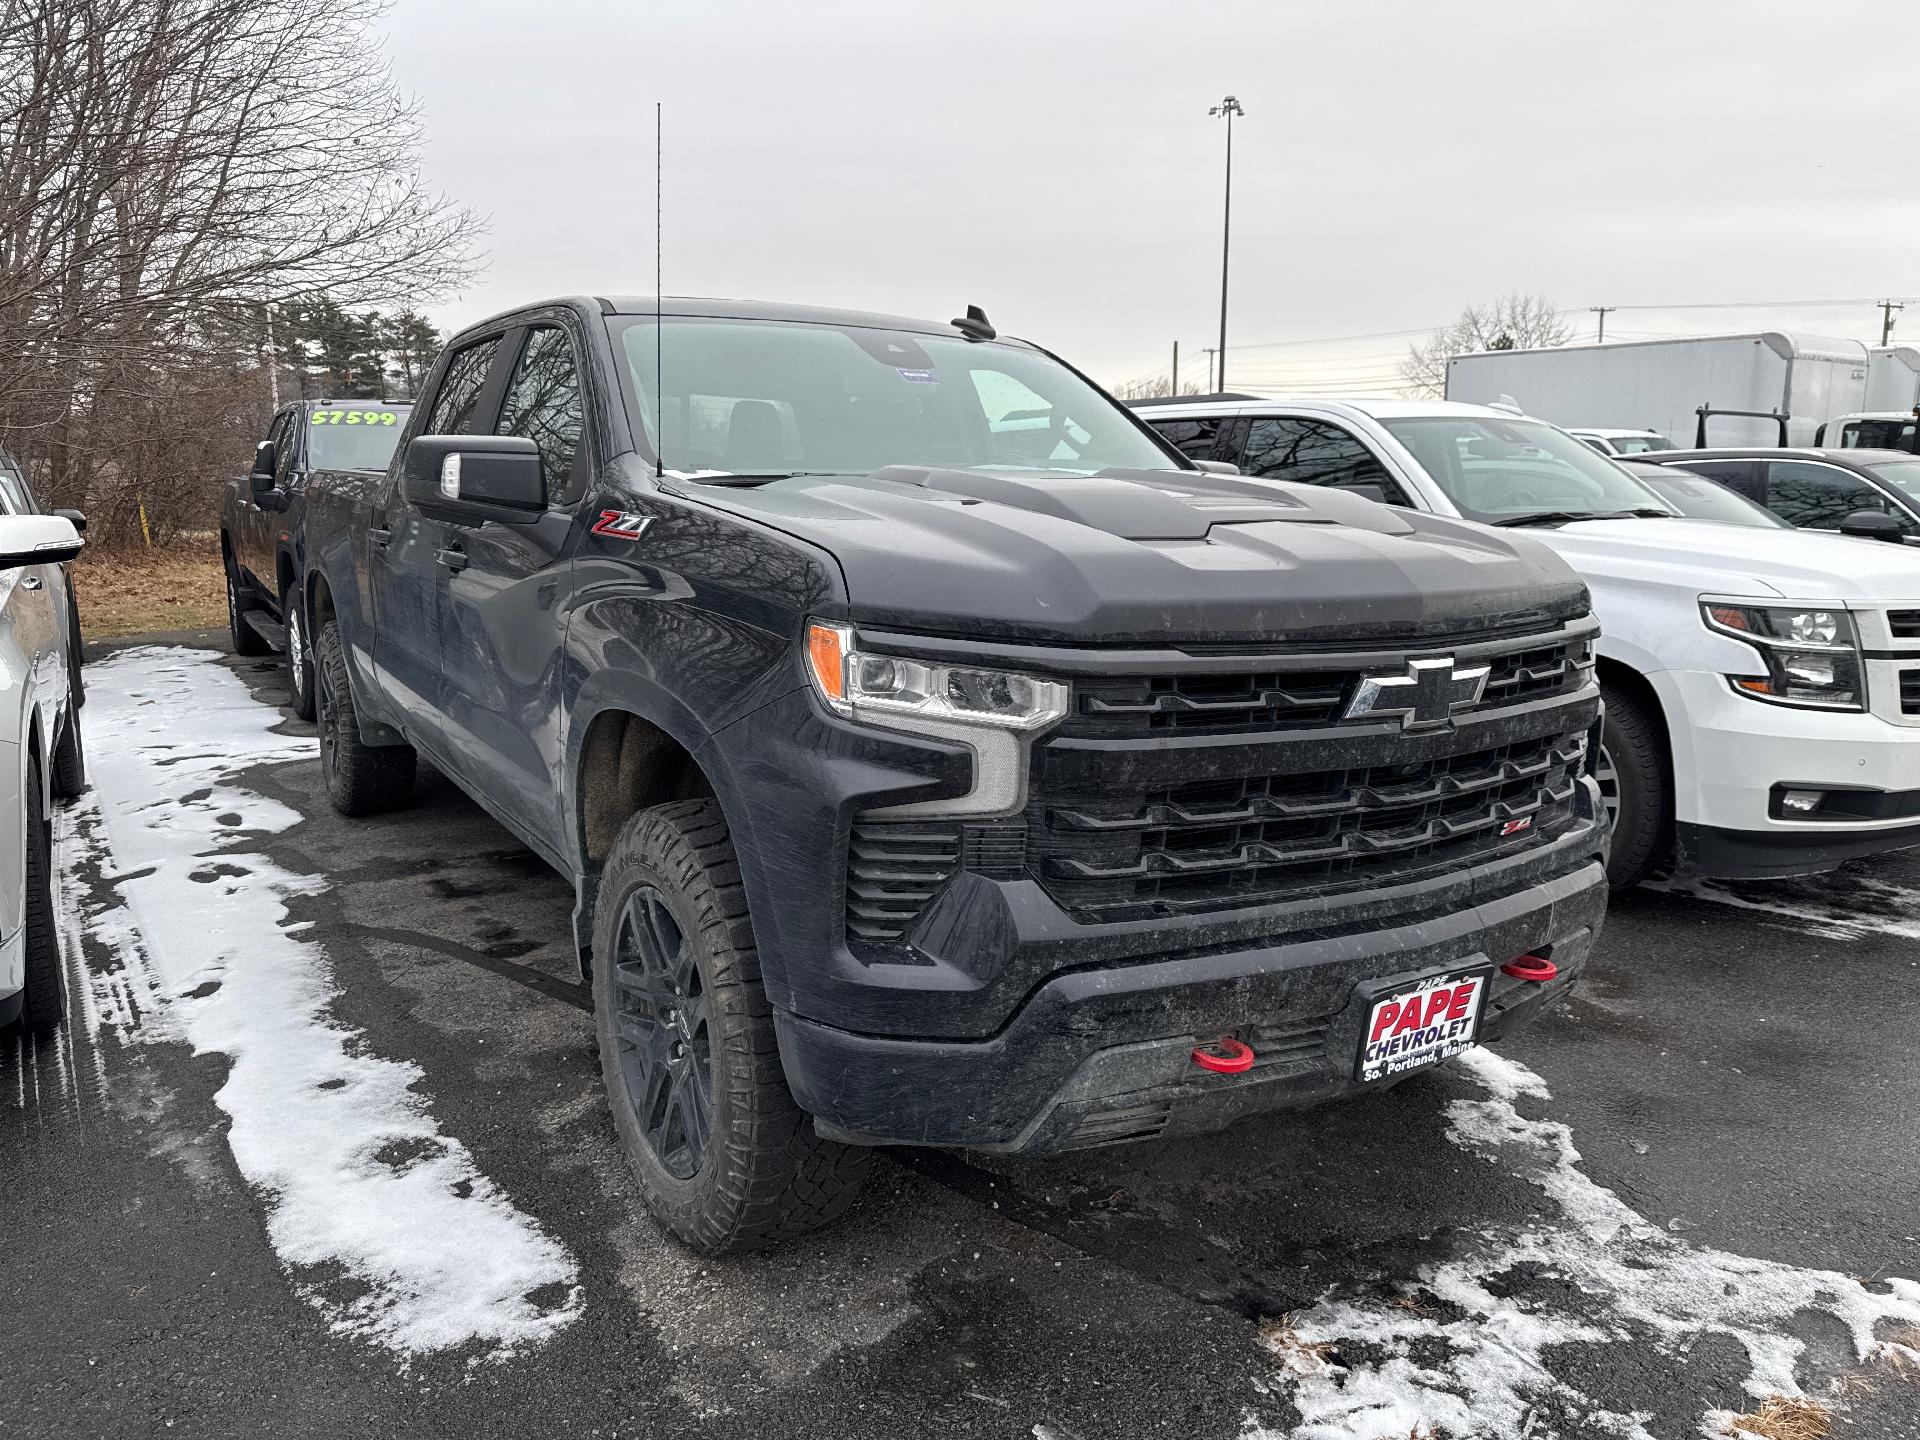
(380, 535)
(30, 582)
(452, 557)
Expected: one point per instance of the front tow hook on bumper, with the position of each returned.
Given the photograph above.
(1225, 1056)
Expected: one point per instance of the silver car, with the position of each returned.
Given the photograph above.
(41, 756)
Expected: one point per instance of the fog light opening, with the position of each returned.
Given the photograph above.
(1801, 802)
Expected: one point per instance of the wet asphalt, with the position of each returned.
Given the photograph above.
(1742, 1079)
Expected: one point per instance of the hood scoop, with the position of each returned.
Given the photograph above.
(1127, 504)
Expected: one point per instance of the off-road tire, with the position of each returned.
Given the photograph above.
(246, 640)
(299, 656)
(766, 1176)
(70, 759)
(44, 1003)
(360, 779)
(1631, 740)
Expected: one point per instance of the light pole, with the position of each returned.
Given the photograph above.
(1228, 107)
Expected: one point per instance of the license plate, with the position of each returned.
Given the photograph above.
(1422, 1024)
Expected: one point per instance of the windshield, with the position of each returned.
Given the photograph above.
(1903, 475)
(1699, 498)
(1638, 444)
(747, 397)
(1497, 470)
(353, 436)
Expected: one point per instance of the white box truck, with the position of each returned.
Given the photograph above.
(1745, 382)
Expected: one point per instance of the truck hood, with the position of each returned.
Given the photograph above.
(1707, 558)
(1152, 556)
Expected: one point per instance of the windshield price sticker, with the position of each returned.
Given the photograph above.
(1422, 1025)
(356, 417)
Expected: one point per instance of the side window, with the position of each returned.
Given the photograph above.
(543, 404)
(1740, 476)
(460, 386)
(1311, 452)
(286, 442)
(15, 498)
(1818, 497)
(1192, 438)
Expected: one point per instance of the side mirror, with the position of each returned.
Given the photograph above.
(75, 518)
(266, 460)
(1874, 525)
(1217, 467)
(471, 479)
(37, 540)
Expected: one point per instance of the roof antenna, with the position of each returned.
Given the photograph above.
(659, 376)
(975, 325)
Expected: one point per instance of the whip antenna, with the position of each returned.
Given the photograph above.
(659, 376)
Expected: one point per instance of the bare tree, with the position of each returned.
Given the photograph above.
(169, 169)
(1155, 387)
(1513, 322)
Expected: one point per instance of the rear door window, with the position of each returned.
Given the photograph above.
(1313, 452)
(543, 404)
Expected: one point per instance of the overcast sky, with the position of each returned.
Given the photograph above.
(1055, 163)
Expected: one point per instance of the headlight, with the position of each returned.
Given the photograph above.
(1812, 656)
(892, 690)
(992, 712)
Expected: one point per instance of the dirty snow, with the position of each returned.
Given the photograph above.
(384, 1223)
(1482, 1363)
(1843, 905)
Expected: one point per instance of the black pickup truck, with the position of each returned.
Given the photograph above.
(261, 542)
(939, 757)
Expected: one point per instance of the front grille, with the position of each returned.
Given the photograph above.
(1905, 624)
(1910, 692)
(894, 869)
(1260, 701)
(1114, 854)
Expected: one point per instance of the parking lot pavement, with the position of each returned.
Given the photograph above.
(323, 1152)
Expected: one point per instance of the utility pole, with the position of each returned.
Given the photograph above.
(1176, 369)
(1603, 311)
(1210, 352)
(1888, 308)
(1228, 107)
(273, 361)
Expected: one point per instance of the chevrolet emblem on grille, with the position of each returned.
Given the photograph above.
(1427, 694)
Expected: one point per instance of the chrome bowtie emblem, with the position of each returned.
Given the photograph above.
(1427, 694)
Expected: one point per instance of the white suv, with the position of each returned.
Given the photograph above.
(40, 757)
(1762, 686)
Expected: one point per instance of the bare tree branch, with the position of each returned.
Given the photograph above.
(1513, 322)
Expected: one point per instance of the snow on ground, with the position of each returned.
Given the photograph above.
(383, 1222)
(1478, 1362)
(1842, 905)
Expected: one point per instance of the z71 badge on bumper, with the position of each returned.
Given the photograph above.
(1422, 1024)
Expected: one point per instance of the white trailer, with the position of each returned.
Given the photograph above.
(1893, 379)
(1662, 385)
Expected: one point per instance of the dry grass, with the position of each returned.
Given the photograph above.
(135, 592)
(1900, 1352)
(1784, 1418)
(1302, 1356)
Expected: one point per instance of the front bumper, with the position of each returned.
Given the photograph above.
(1731, 754)
(1100, 1056)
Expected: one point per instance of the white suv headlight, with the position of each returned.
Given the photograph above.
(993, 712)
(1812, 655)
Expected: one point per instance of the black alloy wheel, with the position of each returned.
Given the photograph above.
(665, 1046)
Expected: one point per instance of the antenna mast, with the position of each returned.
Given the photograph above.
(659, 380)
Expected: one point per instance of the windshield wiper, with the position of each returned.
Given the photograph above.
(1564, 517)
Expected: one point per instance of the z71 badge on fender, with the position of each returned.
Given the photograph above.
(622, 524)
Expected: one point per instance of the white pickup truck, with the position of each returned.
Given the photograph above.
(1762, 686)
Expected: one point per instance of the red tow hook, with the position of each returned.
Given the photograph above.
(1225, 1056)
(1536, 968)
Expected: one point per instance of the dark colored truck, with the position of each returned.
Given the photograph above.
(261, 544)
(939, 757)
